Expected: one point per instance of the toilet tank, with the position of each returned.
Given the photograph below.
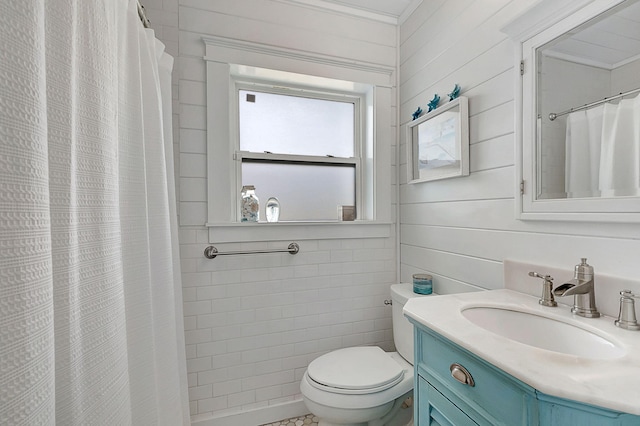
(402, 328)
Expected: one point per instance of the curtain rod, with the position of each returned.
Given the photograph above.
(143, 17)
(553, 115)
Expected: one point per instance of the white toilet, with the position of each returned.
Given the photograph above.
(365, 386)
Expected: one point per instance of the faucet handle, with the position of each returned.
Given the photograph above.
(627, 316)
(547, 296)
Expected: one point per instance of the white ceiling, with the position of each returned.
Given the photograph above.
(608, 43)
(394, 11)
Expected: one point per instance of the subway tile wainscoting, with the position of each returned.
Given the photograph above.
(254, 322)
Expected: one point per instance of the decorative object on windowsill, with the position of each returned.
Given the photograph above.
(249, 204)
(433, 103)
(454, 93)
(416, 113)
(272, 209)
(347, 213)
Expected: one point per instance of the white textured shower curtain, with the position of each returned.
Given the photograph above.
(90, 296)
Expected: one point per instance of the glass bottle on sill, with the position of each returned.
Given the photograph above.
(272, 209)
(249, 204)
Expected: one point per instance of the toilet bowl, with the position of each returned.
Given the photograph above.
(365, 386)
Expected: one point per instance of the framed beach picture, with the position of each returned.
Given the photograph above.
(438, 143)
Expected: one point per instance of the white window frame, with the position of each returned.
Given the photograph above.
(228, 60)
(300, 91)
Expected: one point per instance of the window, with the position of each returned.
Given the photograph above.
(301, 146)
(363, 174)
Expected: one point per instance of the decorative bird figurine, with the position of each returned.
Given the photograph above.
(454, 93)
(416, 113)
(433, 103)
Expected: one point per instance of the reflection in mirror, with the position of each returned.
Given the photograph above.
(588, 134)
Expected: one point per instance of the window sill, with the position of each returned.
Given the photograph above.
(296, 231)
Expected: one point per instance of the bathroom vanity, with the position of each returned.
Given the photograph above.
(527, 370)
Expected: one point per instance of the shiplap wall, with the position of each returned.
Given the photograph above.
(462, 229)
(253, 323)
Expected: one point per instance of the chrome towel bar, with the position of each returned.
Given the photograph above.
(211, 252)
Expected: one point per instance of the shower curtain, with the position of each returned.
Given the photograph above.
(602, 156)
(90, 296)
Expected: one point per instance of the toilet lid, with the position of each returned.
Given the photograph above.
(354, 370)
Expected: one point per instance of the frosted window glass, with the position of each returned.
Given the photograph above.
(285, 124)
(305, 192)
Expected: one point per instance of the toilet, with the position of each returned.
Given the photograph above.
(365, 386)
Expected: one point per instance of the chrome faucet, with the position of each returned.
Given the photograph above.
(582, 288)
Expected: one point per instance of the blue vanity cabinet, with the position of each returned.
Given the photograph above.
(437, 410)
(496, 398)
(559, 412)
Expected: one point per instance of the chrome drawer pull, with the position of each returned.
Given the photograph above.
(461, 374)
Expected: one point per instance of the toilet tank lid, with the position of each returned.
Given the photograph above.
(357, 368)
(400, 293)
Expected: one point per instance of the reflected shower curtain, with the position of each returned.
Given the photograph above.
(602, 155)
(582, 157)
(620, 161)
(90, 296)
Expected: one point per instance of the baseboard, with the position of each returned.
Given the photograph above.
(257, 417)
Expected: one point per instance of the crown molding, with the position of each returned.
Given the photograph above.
(298, 55)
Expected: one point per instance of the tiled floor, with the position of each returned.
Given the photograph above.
(308, 420)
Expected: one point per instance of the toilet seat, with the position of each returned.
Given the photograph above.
(355, 371)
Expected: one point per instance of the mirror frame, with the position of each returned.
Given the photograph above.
(461, 140)
(539, 25)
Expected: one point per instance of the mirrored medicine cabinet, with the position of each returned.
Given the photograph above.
(578, 116)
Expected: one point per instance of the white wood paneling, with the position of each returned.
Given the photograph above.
(461, 229)
(278, 33)
(498, 214)
(419, 17)
(475, 271)
(480, 69)
(489, 184)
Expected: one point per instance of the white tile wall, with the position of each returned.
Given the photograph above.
(253, 323)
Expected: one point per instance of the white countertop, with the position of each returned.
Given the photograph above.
(608, 383)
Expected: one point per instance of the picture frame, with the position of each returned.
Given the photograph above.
(438, 143)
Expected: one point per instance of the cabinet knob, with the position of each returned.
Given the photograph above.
(461, 374)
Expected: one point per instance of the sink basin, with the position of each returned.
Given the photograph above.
(543, 332)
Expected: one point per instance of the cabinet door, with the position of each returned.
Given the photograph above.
(436, 410)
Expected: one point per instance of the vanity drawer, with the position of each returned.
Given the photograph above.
(495, 397)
